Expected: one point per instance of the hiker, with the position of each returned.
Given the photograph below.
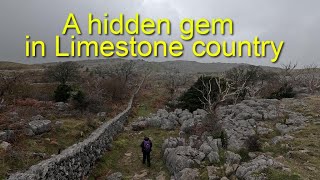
(146, 147)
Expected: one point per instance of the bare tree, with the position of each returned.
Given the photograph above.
(288, 76)
(121, 71)
(63, 72)
(310, 77)
(247, 80)
(175, 79)
(212, 99)
(116, 78)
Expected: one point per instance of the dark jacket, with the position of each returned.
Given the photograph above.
(142, 144)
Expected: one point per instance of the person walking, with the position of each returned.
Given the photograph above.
(146, 147)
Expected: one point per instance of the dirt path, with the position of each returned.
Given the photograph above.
(126, 156)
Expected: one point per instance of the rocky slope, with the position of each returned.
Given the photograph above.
(186, 156)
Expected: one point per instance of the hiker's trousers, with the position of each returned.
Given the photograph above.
(146, 156)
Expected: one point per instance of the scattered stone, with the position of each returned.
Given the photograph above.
(288, 170)
(141, 175)
(37, 118)
(138, 126)
(188, 174)
(40, 126)
(102, 114)
(232, 158)
(115, 176)
(61, 106)
(278, 139)
(263, 130)
(5, 146)
(161, 176)
(58, 124)
(311, 168)
(7, 135)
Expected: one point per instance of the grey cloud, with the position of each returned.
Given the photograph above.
(295, 22)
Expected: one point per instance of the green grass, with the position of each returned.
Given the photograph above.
(305, 139)
(274, 174)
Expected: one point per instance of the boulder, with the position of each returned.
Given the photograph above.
(154, 121)
(178, 112)
(283, 128)
(182, 157)
(37, 118)
(205, 148)
(251, 169)
(172, 143)
(61, 106)
(138, 126)
(162, 113)
(7, 135)
(40, 126)
(167, 124)
(115, 176)
(212, 173)
(214, 143)
(5, 146)
(184, 116)
(213, 157)
(188, 174)
(194, 141)
(202, 113)
(232, 158)
(188, 126)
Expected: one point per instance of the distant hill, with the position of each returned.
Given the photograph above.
(182, 66)
(5, 65)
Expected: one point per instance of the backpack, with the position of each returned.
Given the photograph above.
(147, 146)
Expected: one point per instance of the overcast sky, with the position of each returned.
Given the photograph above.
(295, 22)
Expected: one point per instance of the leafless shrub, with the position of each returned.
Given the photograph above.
(122, 71)
(309, 77)
(63, 72)
(8, 82)
(211, 97)
(174, 79)
(288, 75)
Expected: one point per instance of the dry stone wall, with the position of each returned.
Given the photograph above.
(76, 161)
